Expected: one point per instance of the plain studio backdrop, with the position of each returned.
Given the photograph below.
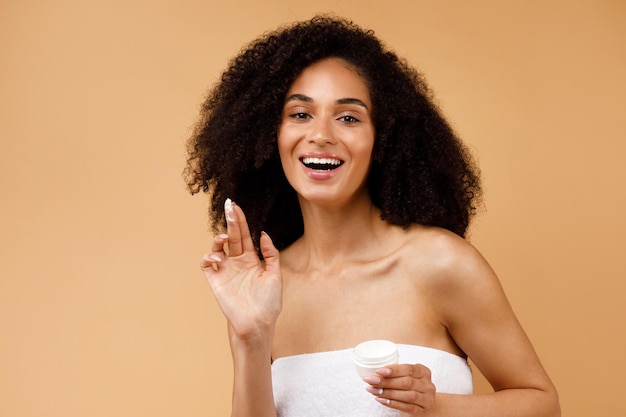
(103, 308)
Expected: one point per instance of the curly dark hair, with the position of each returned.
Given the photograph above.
(420, 173)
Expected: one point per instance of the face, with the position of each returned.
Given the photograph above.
(326, 135)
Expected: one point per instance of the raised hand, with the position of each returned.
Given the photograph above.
(407, 388)
(248, 291)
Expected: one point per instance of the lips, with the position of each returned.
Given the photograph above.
(321, 163)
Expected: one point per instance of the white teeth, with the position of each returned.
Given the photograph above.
(324, 161)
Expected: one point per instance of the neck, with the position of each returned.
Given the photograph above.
(340, 233)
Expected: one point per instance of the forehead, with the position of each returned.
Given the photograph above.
(331, 77)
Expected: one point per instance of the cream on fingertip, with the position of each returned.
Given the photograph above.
(228, 211)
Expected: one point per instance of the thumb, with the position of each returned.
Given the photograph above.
(270, 253)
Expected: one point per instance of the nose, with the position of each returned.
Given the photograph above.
(322, 133)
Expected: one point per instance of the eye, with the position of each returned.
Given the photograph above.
(349, 119)
(297, 113)
(300, 116)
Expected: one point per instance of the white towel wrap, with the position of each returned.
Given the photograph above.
(326, 384)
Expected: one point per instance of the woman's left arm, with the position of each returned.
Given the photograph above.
(478, 316)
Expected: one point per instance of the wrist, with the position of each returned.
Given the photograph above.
(258, 339)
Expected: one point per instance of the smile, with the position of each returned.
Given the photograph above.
(321, 164)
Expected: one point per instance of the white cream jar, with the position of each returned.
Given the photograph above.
(374, 354)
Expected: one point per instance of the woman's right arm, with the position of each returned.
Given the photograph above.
(252, 386)
(249, 292)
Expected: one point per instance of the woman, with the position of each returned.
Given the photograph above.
(357, 196)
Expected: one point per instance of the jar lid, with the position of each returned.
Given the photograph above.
(375, 351)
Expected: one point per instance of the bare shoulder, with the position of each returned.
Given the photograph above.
(447, 257)
(455, 274)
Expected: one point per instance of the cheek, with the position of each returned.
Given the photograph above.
(364, 148)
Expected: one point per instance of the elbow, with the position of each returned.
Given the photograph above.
(556, 408)
(553, 404)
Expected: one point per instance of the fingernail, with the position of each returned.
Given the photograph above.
(385, 401)
(222, 236)
(215, 258)
(375, 391)
(372, 380)
(383, 371)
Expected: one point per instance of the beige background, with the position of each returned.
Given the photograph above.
(103, 310)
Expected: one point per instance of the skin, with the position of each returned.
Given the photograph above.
(350, 264)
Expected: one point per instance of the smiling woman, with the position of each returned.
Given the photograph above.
(357, 195)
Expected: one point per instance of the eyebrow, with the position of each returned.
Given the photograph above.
(347, 100)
